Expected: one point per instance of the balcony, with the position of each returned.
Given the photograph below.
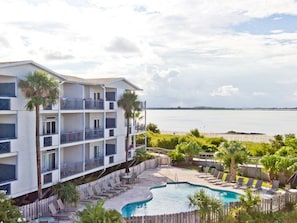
(94, 163)
(71, 104)
(69, 137)
(94, 134)
(4, 147)
(69, 169)
(4, 104)
(7, 131)
(7, 173)
(94, 104)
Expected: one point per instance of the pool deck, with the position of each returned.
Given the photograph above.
(156, 177)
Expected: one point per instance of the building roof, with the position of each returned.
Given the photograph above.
(69, 78)
(24, 62)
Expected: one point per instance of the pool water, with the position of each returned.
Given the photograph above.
(173, 198)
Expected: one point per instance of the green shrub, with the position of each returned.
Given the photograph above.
(153, 128)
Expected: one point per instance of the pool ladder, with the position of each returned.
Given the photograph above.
(176, 178)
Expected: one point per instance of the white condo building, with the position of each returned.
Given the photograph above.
(83, 133)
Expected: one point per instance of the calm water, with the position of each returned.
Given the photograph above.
(269, 122)
(173, 198)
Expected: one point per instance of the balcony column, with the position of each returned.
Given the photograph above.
(59, 131)
(84, 135)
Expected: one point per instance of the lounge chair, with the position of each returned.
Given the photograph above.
(99, 192)
(115, 186)
(213, 176)
(60, 216)
(83, 198)
(223, 182)
(239, 182)
(105, 188)
(118, 182)
(274, 187)
(62, 208)
(204, 173)
(92, 195)
(218, 179)
(258, 185)
(249, 184)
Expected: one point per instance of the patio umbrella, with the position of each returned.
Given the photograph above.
(293, 179)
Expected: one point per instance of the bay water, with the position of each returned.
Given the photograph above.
(269, 122)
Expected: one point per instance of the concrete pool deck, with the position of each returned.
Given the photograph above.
(159, 176)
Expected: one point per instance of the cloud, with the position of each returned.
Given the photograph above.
(56, 55)
(122, 45)
(259, 93)
(4, 42)
(226, 90)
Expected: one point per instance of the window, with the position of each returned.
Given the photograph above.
(96, 123)
(49, 160)
(110, 149)
(110, 96)
(96, 152)
(49, 126)
(111, 159)
(96, 96)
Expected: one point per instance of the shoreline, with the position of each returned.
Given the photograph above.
(243, 137)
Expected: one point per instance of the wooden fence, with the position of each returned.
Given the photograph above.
(34, 210)
(278, 202)
(275, 203)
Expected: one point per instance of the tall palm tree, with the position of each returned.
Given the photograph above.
(131, 106)
(41, 89)
(232, 153)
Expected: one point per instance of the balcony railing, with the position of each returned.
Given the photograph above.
(7, 131)
(69, 169)
(7, 173)
(69, 137)
(5, 147)
(71, 103)
(94, 104)
(4, 104)
(47, 141)
(94, 134)
(94, 163)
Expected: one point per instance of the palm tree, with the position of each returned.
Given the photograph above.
(232, 153)
(96, 213)
(131, 105)
(205, 204)
(41, 89)
(249, 201)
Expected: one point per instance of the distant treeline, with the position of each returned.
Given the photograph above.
(214, 108)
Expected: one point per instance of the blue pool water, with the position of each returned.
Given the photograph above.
(173, 198)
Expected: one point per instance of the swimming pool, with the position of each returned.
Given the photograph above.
(173, 198)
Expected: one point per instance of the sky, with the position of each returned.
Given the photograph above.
(187, 53)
